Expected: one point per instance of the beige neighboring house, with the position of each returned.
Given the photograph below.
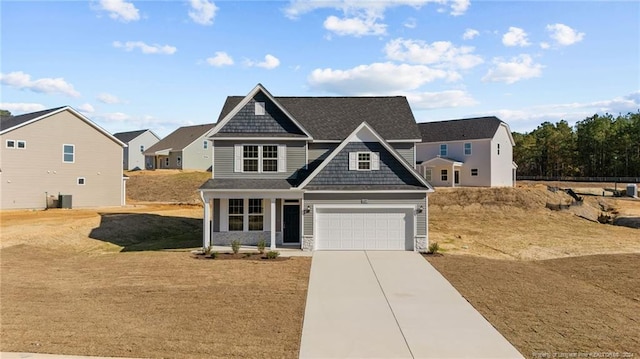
(58, 152)
(473, 152)
(137, 142)
(186, 148)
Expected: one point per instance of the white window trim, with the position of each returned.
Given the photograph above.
(370, 161)
(18, 142)
(84, 181)
(205, 144)
(261, 214)
(245, 223)
(15, 143)
(141, 148)
(167, 162)
(225, 213)
(474, 169)
(354, 161)
(446, 150)
(444, 173)
(464, 148)
(239, 157)
(74, 153)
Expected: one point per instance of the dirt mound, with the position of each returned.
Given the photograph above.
(525, 198)
(165, 186)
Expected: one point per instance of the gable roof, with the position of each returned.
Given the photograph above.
(10, 123)
(458, 130)
(365, 126)
(127, 137)
(334, 118)
(180, 138)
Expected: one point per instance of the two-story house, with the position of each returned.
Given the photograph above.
(58, 151)
(137, 142)
(186, 148)
(316, 173)
(468, 152)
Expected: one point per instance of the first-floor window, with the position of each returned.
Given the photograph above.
(427, 174)
(81, 181)
(236, 214)
(166, 162)
(179, 161)
(474, 171)
(68, 153)
(444, 175)
(256, 218)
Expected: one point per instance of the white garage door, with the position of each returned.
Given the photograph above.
(366, 228)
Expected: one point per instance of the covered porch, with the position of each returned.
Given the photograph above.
(251, 215)
(441, 171)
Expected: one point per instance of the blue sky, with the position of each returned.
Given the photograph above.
(131, 65)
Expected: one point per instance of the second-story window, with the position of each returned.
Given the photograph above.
(250, 155)
(269, 158)
(141, 148)
(443, 150)
(205, 144)
(68, 153)
(467, 149)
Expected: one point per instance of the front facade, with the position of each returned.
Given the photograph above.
(59, 151)
(137, 142)
(315, 173)
(186, 148)
(475, 152)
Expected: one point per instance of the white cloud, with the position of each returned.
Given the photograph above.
(115, 117)
(459, 7)
(270, 62)
(22, 81)
(120, 10)
(21, 107)
(355, 26)
(146, 49)
(86, 108)
(441, 54)
(374, 79)
(515, 37)
(436, 100)
(220, 59)
(410, 23)
(108, 98)
(202, 11)
(470, 34)
(544, 45)
(564, 35)
(518, 68)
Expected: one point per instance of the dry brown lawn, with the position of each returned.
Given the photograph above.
(165, 185)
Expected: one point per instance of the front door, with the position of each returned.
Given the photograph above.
(456, 177)
(291, 224)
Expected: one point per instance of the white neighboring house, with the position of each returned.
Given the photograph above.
(58, 151)
(186, 148)
(137, 142)
(473, 152)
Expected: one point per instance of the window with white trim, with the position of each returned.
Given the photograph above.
(205, 144)
(444, 175)
(364, 161)
(427, 174)
(270, 158)
(256, 217)
(68, 153)
(166, 162)
(236, 214)
(250, 158)
(467, 149)
(141, 148)
(443, 150)
(81, 181)
(260, 109)
(474, 171)
(260, 158)
(11, 144)
(22, 145)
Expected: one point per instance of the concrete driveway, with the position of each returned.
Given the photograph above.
(382, 304)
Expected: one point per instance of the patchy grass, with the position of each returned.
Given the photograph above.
(165, 185)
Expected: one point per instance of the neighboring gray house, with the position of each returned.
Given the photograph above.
(137, 142)
(316, 173)
(186, 148)
(468, 152)
(58, 151)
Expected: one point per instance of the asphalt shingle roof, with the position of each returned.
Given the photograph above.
(334, 118)
(249, 184)
(128, 136)
(7, 122)
(180, 138)
(458, 130)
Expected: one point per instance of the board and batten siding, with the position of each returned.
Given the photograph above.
(27, 174)
(223, 158)
(416, 199)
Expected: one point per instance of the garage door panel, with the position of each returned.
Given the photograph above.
(367, 228)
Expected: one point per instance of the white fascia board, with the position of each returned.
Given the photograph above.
(74, 112)
(372, 191)
(400, 141)
(245, 100)
(380, 140)
(260, 138)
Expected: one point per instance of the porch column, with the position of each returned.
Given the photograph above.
(453, 175)
(206, 222)
(272, 203)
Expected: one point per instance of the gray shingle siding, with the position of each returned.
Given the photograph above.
(223, 158)
(273, 121)
(417, 199)
(391, 172)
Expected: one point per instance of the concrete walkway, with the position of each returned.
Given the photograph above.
(391, 305)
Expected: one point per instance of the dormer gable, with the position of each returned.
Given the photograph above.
(259, 115)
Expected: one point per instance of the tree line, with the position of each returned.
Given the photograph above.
(598, 146)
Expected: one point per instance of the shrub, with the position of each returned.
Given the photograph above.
(207, 250)
(433, 248)
(214, 255)
(235, 246)
(261, 245)
(273, 254)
